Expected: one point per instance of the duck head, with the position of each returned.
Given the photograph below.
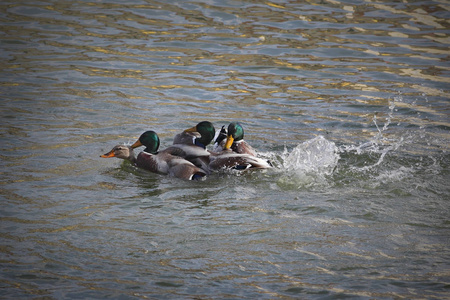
(207, 132)
(120, 151)
(235, 134)
(150, 140)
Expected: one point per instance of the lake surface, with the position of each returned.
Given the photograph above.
(348, 99)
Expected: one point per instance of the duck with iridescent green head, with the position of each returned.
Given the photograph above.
(234, 140)
(162, 162)
(232, 152)
(191, 144)
(200, 135)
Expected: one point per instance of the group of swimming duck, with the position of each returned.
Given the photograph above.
(188, 158)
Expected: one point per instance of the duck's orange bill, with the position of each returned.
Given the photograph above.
(136, 144)
(193, 129)
(229, 142)
(108, 155)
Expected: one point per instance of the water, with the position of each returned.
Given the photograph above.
(349, 100)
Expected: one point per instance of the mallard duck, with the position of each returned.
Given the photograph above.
(168, 159)
(234, 140)
(150, 159)
(191, 144)
(201, 135)
(231, 151)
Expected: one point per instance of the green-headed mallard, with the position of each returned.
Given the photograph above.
(162, 162)
(201, 135)
(234, 140)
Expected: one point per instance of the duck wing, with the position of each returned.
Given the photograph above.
(231, 160)
(181, 168)
(186, 138)
(187, 151)
(195, 154)
(152, 163)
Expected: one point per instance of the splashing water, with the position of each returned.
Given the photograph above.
(309, 163)
(390, 157)
(318, 156)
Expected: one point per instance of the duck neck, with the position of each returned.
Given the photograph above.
(204, 140)
(150, 151)
(131, 157)
(200, 143)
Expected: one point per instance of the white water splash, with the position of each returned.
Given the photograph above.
(316, 156)
(392, 157)
(380, 144)
(308, 163)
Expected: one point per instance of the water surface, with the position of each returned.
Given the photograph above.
(349, 100)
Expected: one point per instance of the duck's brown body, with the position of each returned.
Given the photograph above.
(165, 163)
(162, 162)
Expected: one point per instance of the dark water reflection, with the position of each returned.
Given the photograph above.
(348, 99)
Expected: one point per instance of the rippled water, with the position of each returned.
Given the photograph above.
(349, 100)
